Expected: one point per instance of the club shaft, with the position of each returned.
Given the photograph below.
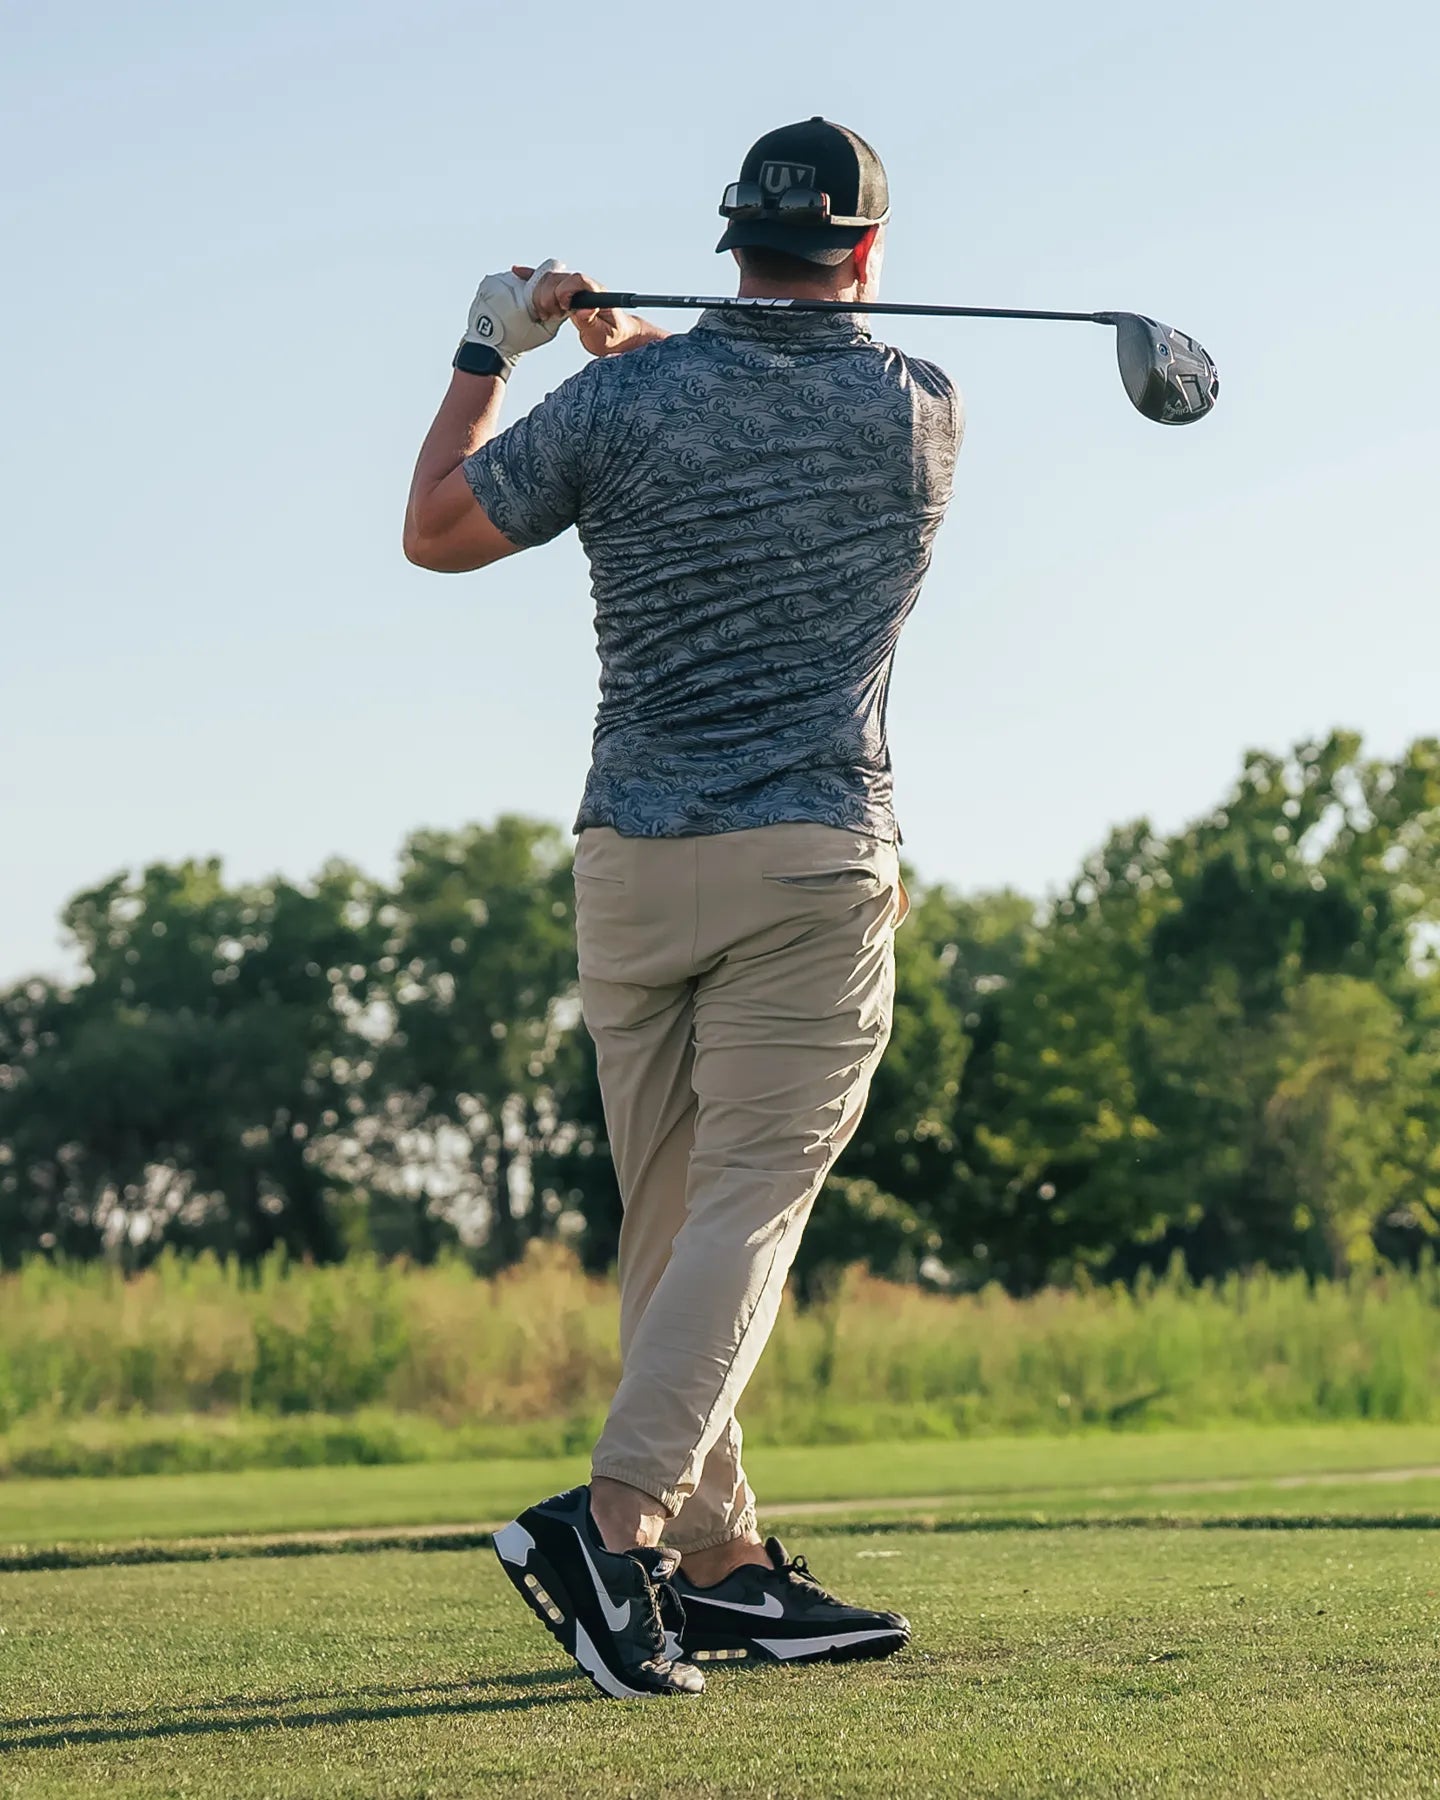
(738, 303)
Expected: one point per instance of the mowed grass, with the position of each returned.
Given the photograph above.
(1237, 1471)
(1084, 1662)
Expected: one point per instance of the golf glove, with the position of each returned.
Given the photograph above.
(502, 325)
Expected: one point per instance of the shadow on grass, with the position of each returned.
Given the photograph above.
(243, 1712)
(234, 1702)
(49, 1558)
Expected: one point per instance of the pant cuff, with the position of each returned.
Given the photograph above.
(741, 1528)
(638, 1478)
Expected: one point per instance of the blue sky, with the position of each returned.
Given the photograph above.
(240, 249)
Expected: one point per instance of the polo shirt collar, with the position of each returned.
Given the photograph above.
(776, 326)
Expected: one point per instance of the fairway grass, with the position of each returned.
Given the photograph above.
(1083, 1662)
(1051, 1655)
(1300, 1470)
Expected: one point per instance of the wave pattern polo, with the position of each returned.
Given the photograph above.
(757, 498)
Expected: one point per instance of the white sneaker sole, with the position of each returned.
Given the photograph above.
(541, 1590)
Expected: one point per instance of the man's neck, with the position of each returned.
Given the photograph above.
(766, 290)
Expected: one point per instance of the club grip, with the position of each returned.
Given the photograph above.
(584, 300)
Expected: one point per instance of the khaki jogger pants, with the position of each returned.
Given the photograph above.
(739, 990)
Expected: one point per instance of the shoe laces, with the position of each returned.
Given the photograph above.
(795, 1569)
(666, 1615)
(669, 1611)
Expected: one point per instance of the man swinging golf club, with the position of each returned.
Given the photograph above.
(757, 498)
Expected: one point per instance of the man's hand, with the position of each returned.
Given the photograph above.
(505, 319)
(603, 331)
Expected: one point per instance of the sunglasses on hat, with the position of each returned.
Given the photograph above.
(796, 206)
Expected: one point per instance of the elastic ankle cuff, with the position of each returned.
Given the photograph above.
(742, 1527)
(638, 1478)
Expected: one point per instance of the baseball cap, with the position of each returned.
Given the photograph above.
(814, 157)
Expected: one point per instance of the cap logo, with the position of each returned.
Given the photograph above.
(777, 177)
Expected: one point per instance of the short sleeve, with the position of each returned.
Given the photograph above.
(531, 478)
(942, 403)
(939, 416)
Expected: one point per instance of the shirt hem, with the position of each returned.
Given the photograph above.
(883, 828)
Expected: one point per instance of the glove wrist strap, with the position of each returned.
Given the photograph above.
(480, 359)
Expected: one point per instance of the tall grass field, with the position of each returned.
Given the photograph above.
(196, 1364)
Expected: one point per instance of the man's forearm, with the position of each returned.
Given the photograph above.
(469, 416)
(445, 529)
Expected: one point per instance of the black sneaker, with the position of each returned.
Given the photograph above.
(781, 1614)
(616, 1613)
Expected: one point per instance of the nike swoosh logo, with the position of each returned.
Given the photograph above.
(770, 1607)
(616, 1617)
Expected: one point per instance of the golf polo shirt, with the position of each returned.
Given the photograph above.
(757, 498)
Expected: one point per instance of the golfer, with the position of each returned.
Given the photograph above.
(757, 498)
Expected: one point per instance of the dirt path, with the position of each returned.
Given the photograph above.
(469, 1534)
(1228, 1484)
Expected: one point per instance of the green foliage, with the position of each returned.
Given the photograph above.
(197, 1364)
(1223, 1044)
(178, 1093)
(480, 962)
(858, 1224)
(1337, 1114)
(1134, 1089)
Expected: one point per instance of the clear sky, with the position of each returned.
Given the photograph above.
(240, 243)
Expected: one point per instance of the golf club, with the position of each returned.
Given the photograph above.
(1167, 375)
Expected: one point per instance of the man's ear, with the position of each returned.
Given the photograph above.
(863, 252)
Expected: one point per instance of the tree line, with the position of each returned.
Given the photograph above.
(1222, 1044)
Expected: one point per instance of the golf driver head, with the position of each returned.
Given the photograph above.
(1167, 375)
